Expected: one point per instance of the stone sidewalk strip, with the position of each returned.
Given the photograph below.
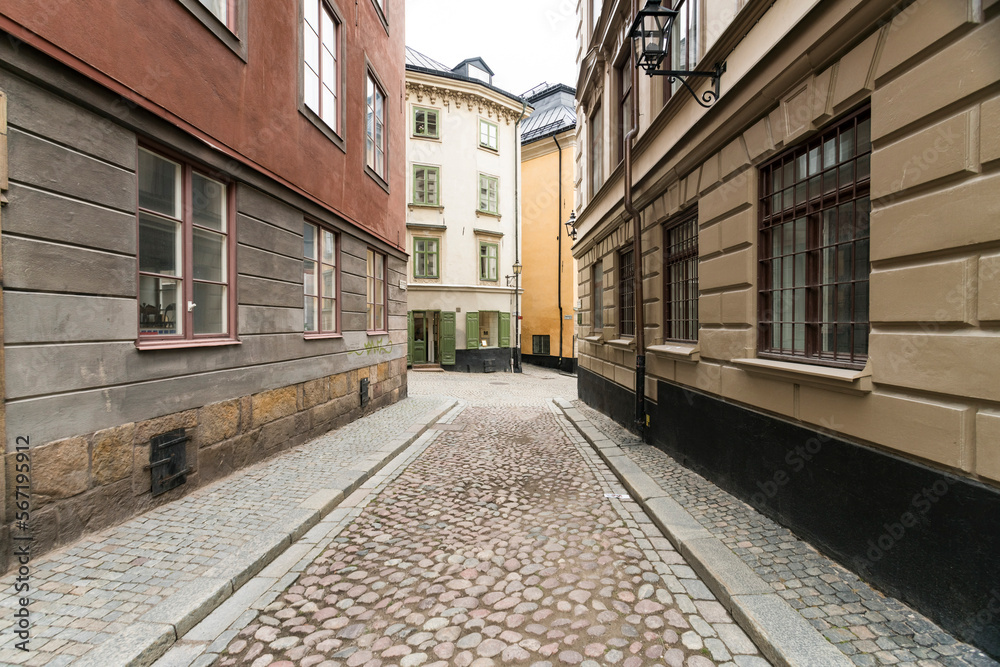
(782, 634)
(122, 597)
(740, 551)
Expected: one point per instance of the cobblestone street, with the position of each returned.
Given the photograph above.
(496, 545)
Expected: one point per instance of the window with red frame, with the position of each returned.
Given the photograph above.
(319, 279)
(376, 291)
(321, 63)
(185, 253)
(375, 129)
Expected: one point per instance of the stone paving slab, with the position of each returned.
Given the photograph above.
(866, 627)
(122, 596)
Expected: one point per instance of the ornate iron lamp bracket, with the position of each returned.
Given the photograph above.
(709, 97)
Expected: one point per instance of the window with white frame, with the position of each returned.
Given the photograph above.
(185, 251)
(321, 62)
(375, 131)
(488, 135)
(489, 189)
(319, 279)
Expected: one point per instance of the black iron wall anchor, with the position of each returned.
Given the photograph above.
(709, 97)
(168, 461)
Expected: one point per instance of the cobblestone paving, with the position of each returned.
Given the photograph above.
(86, 594)
(870, 628)
(496, 545)
(531, 388)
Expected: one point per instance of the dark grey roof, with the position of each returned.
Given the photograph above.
(555, 112)
(477, 61)
(417, 59)
(418, 62)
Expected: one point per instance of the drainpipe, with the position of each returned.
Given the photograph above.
(517, 239)
(559, 259)
(632, 214)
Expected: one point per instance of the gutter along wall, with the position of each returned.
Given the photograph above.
(925, 408)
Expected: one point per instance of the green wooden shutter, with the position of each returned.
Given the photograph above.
(447, 339)
(409, 338)
(472, 331)
(504, 329)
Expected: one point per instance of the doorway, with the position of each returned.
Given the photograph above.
(426, 330)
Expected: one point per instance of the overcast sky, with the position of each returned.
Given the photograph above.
(524, 42)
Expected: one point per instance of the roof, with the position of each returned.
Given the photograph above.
(417, 59)
(477, 61)
(418, 62)
(555, 112)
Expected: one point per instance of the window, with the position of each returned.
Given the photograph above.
(684, 41)
(375, 129)
(425, 123)
(488, 194)
(596, 151)
(319, 279)
(681, 275)
(626, 293)
(489, 329)
(595, 13)
(598, 296)
(321, 66)
(425, 258)
(488, 253)
(814, 247)
(425, 185)
(540, 345)
(376, 292)
(488, 135)
(624, 74)
(185, 252)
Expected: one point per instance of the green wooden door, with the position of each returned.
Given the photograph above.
(419, 337)
(409, 338)
(447, 339)
(472, 331)
(504, 329)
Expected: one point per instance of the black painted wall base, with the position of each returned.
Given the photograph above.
(482, 361)
(564, 364)
(927, 537)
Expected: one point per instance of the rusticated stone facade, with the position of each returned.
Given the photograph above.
(87, 483)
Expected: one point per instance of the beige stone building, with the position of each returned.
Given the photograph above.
(820, 273)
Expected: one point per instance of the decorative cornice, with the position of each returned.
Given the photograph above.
(461, 100)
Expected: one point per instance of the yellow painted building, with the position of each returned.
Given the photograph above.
(548, 147)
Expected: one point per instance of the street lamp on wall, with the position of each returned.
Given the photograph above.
(650, 34)
(571, 225)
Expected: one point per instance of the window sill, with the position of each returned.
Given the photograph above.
(599, 338)
(843, 379)
(378, 179)
(161, 344)
(324, 127)
(492, 151)
(420, 225)
(422, 138)
(623, 343)
(435, 207)
(377, 333)
(322, 336)
(488, 214)
(676, 351)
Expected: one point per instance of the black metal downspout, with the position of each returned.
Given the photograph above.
(559, 257)
(633, 214)
(517, 240)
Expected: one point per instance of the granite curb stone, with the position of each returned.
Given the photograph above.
(783, 635)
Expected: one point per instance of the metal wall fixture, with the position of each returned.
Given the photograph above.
(168, 461)
(650, 35)
(571, 225)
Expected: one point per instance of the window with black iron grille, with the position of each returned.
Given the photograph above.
(681, 276)
(814, 247)
(626, 293)
(540, 345)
